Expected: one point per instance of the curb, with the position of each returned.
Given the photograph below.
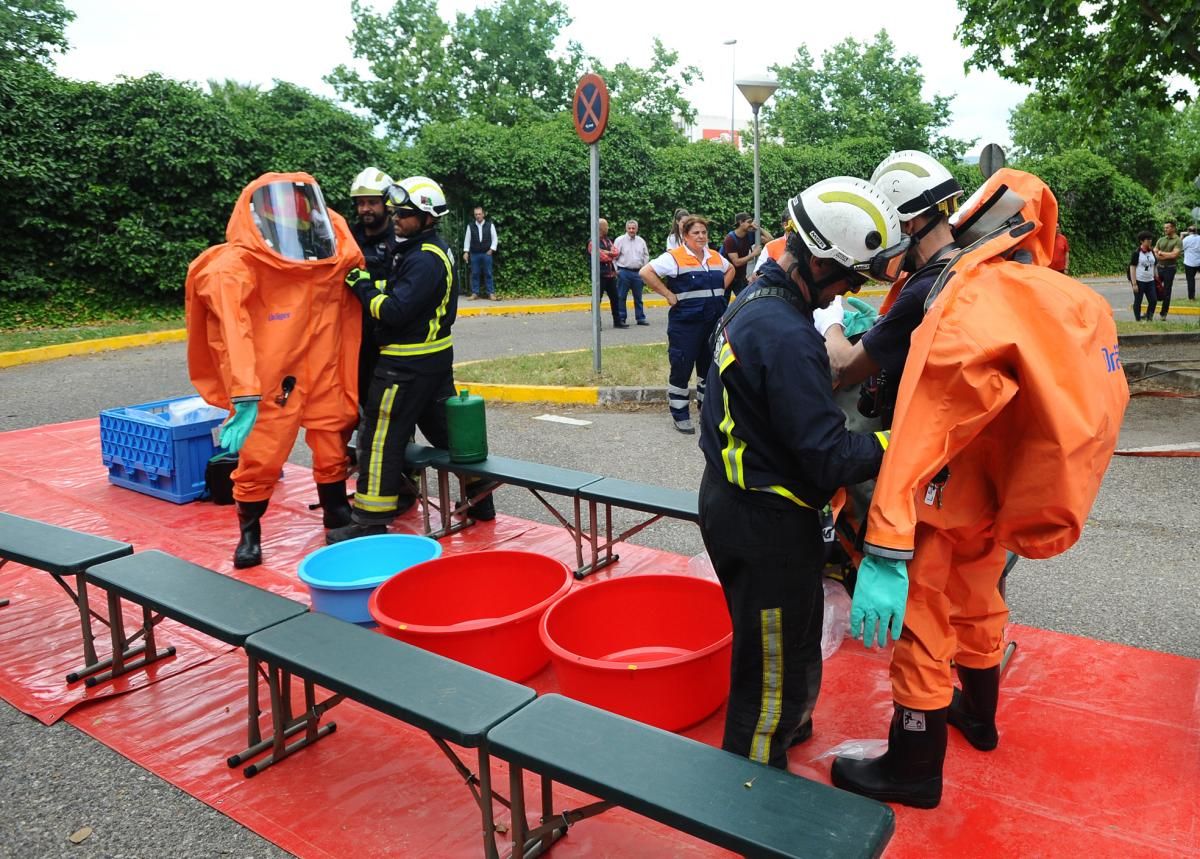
(88, 347)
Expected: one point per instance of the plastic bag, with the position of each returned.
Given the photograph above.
(193, 410)
(835, 622)
(857, 750)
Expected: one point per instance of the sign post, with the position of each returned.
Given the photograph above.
(589, 109)
(991, 159)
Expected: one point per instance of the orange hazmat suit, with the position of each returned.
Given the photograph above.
(1013, 381)
(261, 312)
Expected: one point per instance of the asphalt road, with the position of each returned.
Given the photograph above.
(1130, 579)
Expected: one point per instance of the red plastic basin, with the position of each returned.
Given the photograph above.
(481, 608)
(655, 648)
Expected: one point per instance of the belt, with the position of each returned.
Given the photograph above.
(700, 293)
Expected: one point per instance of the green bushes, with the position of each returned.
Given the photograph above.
(107, 192)
(1101, 210)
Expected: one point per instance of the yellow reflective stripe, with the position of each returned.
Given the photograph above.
(435, 324)
(375, 462)
(909, 167)
(375, 503)
(771, 703)
(884, 437)
(734, 448)
(860, 202)
(376, 302)
(407, 350)
(786, 493)
(725, 357)
(381, 285)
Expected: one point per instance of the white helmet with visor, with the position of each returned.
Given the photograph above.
(850, 222)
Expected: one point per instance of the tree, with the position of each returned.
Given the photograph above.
(653, 97)
(410, 80)
(32, 29)
(860, 90)
(1094, 52)
(499, 63)
(1132, 136)
(505, 55)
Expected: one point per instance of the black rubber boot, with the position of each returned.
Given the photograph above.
(910, 771)
(483, 510)
(249, 548)
(973, 710)
(355, 529)
(334, 504)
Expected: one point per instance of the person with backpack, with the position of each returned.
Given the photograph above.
(1009, 413)
(740, 247)
(1143, 277)
(776, 448)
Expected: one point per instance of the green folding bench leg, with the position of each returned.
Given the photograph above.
(727, 800)
(451, 702)
(609, 492)
(169, 587)
(63, 554)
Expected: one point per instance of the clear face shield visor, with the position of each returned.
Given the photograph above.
(293, 220)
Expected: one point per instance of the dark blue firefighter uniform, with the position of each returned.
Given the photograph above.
(776, 448)
(414, 375)
(690, 322)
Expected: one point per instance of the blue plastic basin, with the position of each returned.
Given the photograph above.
(341, 577)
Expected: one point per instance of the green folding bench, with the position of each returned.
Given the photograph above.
(452, 702)
(719, 797)
(609, 492)
(169, 587)
(492, 473)
(63, 554)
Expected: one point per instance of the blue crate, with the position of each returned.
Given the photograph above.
(155, 458)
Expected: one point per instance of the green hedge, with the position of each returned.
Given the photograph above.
(107, 192)
(1100, 209)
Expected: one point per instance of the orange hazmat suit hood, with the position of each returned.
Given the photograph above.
(282, 219)
(1010, 196)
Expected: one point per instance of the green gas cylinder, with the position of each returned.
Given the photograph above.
(467, 426)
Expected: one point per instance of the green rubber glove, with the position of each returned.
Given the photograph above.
(858, 317)
(233, 434)
(879, 597)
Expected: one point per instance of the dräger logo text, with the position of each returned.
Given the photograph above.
(1112, 359)
(278, 317)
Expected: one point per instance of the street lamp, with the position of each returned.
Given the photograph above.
(732, 98)
(757, 93)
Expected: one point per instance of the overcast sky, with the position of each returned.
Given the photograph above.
(255, 41)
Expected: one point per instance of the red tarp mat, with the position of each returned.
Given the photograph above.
(1099, 752)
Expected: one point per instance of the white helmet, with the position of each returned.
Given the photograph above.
(915, 183)
(372, 182)
(849, 221)
(417, 193)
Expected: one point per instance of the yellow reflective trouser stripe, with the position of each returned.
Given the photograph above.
(404, 350)
(378, 439)
(885, 437)
(771, 622)
(435, 324)
(376, 503)
(786, 493)
(375, 304)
